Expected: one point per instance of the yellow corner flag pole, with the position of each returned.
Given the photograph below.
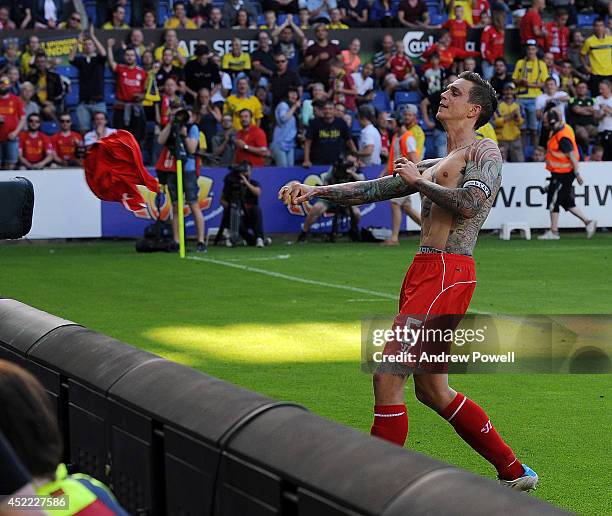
(181, 214)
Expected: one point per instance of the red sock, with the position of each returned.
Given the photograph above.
(475, 428)
(390, 423)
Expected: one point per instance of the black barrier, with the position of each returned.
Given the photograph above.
(171, 440)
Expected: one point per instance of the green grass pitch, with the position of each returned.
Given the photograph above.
(299, 341)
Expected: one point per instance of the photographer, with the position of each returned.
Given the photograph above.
(180, 136)
(343, 171)
(240, 200)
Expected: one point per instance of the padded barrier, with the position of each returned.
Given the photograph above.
(171, 440)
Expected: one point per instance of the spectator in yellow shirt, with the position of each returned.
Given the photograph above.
(529, 75)
(171, 41)
(236, 61)
(508, 122)
(118, 19)
(179, 20)
(598, 48)
(336, 21)
(29, 54)
(242, 99)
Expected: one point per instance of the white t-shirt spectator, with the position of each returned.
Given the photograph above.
(370, 136)
(560, 99)
(92, 137)
(605, 124)
(226, 84)
(362, 85)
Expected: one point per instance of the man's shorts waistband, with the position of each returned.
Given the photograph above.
(425, 249)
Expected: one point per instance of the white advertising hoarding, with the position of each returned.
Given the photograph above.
(64, 206)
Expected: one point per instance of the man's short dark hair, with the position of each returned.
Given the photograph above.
(366, 112)
(33, 115)
(599, 19)
(481, 94)
(247, 110)
(502, 60)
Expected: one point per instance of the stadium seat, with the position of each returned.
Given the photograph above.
(381, 101)
(109, 92)
(72, 98)
(586, 20)
(90, 10)
(261, 20)
(438, 18)
(49, 128)
(356, 127)
(67, 70)
(108, 73)
(407, 97)
(163, 13)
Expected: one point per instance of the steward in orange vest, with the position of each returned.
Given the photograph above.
(562, 161)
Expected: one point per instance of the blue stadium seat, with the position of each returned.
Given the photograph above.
(90, 10)
(108, 73)
(109, 92)
(128, 13)
(438, 18)
(72, 99)
(381, 101)
(586, 20)
(281, 18)
(261, 20)
(407, 97)
(49, 128)
(68, 70)
(163, 13)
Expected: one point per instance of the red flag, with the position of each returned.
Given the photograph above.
(114, 168)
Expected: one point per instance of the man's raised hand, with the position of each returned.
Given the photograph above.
(296, 193)
(407, 170)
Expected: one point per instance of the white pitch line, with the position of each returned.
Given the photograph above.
(294, 278)
(280, 275)
(261, 259)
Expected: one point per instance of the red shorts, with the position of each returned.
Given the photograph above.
(435, 295)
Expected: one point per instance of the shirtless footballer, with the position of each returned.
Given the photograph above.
(457, 193)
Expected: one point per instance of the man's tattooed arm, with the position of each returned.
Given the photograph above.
(483, 169)
(363, 192)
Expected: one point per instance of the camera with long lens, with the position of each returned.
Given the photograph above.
(341, 172)
(176, 143)
(234, 188)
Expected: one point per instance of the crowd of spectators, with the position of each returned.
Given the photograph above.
(294, 101)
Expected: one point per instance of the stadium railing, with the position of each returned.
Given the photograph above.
(171, 440)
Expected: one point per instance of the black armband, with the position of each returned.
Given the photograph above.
(478, 184)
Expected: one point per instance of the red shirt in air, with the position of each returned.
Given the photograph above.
(34, 146)
(458, 31)
(492, 44)
(65, 145)
(557, 40)
(130, 82)
(478, 9)
(11, 110)
(253, 137)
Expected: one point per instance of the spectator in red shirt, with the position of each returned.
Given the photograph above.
(480, 8)
(35, 148)
(531, 24)
(446, 53)
(12, 121)
(492, 44)
(342, 87)
(413, 14)
(457, 28)
(67, 144)
(130, 81)
(557, 35)
(251, 142)
(401, 74)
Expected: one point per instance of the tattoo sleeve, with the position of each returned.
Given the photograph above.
(362, 192)
(482, 171)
